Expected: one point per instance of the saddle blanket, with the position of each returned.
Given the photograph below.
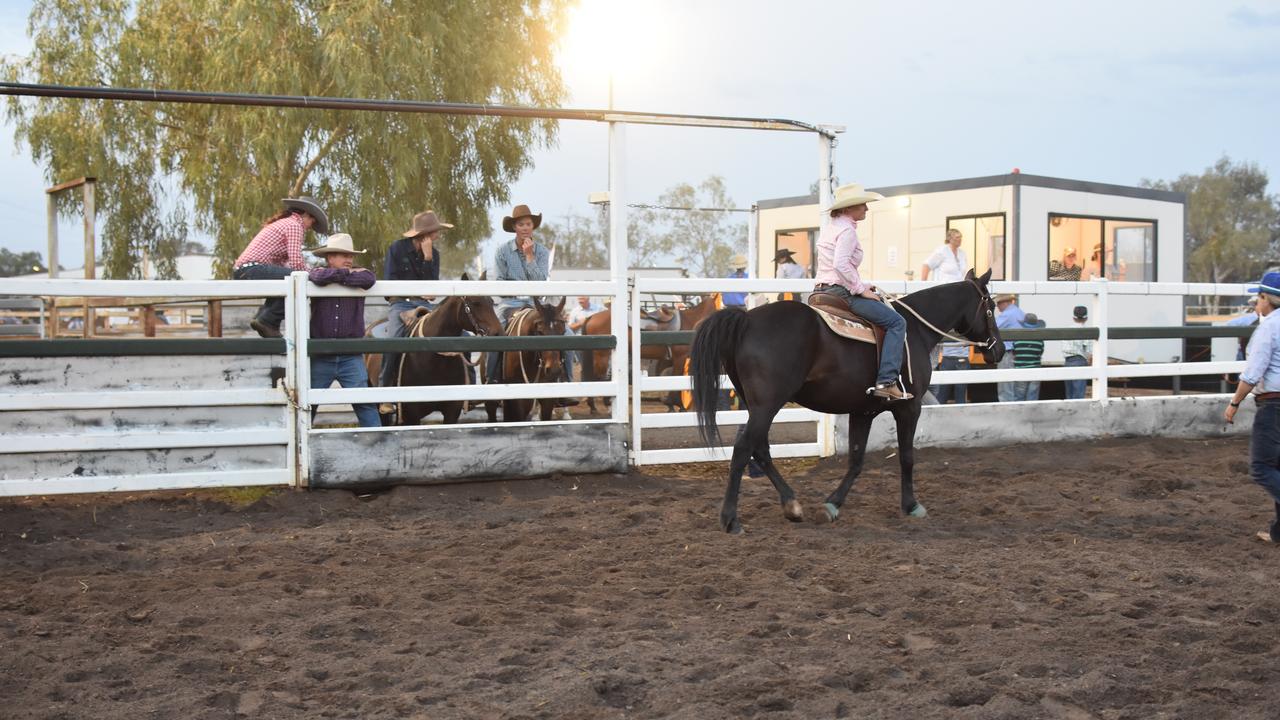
(845, 328)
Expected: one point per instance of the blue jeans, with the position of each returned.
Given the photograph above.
(1005, 390)
(349, 371)
(396, 328)
(272, 310)
(1075, 388)
(1264, 455)
(895, 330)
(1026, 390)
(951, 392)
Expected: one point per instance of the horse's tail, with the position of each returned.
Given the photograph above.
(715, 345)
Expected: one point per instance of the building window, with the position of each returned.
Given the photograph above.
(983, 241)
(1087, 248)
(801, 242)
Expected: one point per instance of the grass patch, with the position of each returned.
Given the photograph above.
(242, 496)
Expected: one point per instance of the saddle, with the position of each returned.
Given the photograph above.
(410, 316)
(664, 318)
(842, 321)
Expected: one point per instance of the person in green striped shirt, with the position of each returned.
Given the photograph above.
(1027, 354)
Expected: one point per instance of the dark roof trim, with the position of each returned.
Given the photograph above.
(997, 181)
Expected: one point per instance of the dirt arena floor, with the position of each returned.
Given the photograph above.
(1117, 579)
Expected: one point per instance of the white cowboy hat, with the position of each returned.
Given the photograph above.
(337, 242)
(852, 194)
(308, 205)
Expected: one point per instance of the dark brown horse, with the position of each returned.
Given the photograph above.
(667, 358)
(531, 366)
(449, 319)
(783, 352)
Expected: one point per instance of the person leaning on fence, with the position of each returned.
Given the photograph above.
(275, 252)
(341, 317)
(1008, 316)
(839, 255)
(414, 256)
(1077, 353)
(1261, 377)
(738, 271)
(1027, 354)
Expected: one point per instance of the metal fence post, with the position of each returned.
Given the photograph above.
(827, 424)
(1100, 349)
(298, 324)
(618, 260)
(637, 371)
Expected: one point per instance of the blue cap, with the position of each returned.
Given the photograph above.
(1269, 284)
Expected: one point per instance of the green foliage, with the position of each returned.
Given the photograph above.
(12, 264)
(1232, 224)
(223, 169)
(703, 241)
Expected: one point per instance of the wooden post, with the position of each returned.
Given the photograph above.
(52, 232)
(90, 255)
(149, 320)
(213, 318)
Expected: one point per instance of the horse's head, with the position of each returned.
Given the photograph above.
(978, 322)
(549, 321)
(478, 315)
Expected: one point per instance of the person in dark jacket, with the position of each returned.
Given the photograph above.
(341, 317)
(413, 257)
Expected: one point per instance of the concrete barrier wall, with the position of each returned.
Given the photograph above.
(989, 424)
(445, 454)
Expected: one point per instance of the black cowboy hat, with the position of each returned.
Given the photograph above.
(308, 205)
(783, 254)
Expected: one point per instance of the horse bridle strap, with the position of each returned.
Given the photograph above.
(983, 303)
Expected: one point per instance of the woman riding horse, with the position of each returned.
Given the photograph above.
(829, 374)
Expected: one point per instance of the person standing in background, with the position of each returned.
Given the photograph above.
(1077, 353)
(1008, 316)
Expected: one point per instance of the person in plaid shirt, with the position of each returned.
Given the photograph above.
(275, 252)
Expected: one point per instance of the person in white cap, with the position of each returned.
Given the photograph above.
(839, 255)
(275, 252)
(341, 317)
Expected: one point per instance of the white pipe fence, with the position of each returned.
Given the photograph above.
(625, 387)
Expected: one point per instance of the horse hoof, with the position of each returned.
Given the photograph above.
(827, 513)
(918, 511)
(793, 511)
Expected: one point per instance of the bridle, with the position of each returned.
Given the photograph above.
(471, 319)
(985, 303)
(541, 354)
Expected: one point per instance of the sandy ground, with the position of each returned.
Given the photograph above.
(1117, 579)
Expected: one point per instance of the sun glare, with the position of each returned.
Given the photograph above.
(608, 37)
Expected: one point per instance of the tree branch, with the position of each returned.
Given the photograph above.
(296, 188)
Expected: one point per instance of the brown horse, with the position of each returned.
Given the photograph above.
(531, 366)
(449, 319)
(668, 359)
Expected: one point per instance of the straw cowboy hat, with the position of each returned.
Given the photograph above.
(1006, 297)
(308, 205)
(520, 211)
(739, 262)
(852, 194)
(423, 223)
(337, 242)
(783, 254)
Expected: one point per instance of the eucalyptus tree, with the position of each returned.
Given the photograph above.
(164, 169)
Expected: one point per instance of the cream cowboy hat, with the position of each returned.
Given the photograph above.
(308, 205)
(739, 262)
(337, 242)
(423, 223)
(852, 194)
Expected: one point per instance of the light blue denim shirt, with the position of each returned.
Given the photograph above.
(511, 265)
(1262, 357)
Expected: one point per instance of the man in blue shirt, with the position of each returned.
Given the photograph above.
(413, 257)
(1262, 376)
(736, 299)
(1009, 315)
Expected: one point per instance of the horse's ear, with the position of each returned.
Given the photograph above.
(537, 305)
(484, 274)
(986, 277)
(969, 275)
(560, 307)
(465, 276)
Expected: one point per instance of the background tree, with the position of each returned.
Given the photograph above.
(702, 240)
(228, 166)
(580, 241)
(12, 264)
(1232, 224)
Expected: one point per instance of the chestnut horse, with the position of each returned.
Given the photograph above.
(595, 363)
(783, 352)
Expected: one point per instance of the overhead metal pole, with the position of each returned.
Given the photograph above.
(618, 261)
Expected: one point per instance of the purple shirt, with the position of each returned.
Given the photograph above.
(339, 317)
(840, 254)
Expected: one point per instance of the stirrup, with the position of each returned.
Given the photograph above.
(893, 391)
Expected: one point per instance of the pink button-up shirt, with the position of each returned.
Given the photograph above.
(840, 254)
(279, 243)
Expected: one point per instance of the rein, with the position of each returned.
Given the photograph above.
(520, 327)
(984, 303)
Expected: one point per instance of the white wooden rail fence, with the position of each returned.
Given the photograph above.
(294, 399)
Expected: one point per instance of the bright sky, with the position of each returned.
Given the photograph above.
(1110, 91)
